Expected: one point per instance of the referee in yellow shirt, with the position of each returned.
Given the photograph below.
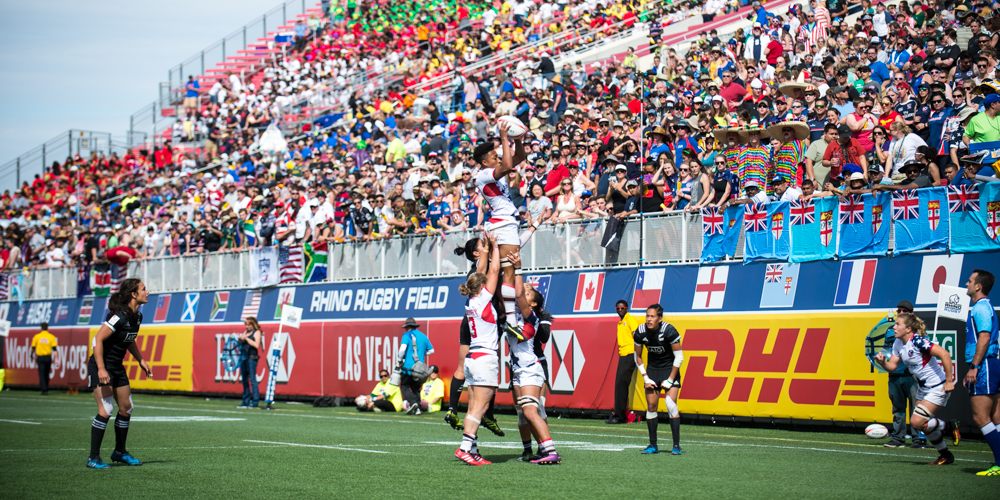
(626, 362)
(42, 345)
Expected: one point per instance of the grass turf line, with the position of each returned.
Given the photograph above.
(320, 451)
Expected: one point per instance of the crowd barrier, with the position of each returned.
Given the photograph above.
(756, 347)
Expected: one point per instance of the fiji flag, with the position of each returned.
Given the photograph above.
(720, 232)
(813, 229)
(648, 285)
(975, 217)
(766, 231)
(780, 283)
(864, 225)
(918, 219)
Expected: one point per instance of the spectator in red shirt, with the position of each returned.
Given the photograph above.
(731, 91)
(843, 151)
(774, 51)
(556, 175)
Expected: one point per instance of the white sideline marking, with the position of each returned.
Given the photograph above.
(19, 421)
(315, 446)
(573, 445)
(186, 418)
(49, 450)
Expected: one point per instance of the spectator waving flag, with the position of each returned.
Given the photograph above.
(290, 264)
(316, 258)
(720, 237)
(766, 235)
(974, 217)
(918, 221)
(864, 229)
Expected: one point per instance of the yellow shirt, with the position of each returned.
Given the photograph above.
(44, 342)
(626, 343)
(431, 390)
(389, 392)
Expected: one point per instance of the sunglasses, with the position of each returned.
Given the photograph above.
(938, 102)
(620, 308)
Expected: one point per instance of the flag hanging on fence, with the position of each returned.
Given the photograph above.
(83, 280)
(290, 265)
(766, 232)
(864, 225)
(316, 257)
(263, 267)
(975, 217)
(813, 229)
(918, 220)
(4, 287)
(100, 279)
(119, 273)
(720, 232)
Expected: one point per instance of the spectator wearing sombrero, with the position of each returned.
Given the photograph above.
(797, 89)
(791, 133)
(754, 160)
(731, 142)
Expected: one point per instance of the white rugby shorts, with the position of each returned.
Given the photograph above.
(482, 369)
(934, 395)
(531, 376)
(506, 233)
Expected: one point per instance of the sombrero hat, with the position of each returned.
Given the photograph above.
(753, 127)
(788, 88)
(800, 127)
(722, 134)
(659, 130)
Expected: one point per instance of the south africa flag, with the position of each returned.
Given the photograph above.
(316, 256)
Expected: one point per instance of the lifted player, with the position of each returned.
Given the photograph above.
(108, 378)
(663, 344)
(491, 182)
(914, 349)
(528, 377)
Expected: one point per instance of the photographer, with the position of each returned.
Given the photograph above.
(249, 354)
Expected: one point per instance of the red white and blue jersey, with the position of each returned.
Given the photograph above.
(522, 352)
(916, 355)
(497, 195)
(483, 322)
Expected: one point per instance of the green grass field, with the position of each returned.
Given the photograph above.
(194, 447)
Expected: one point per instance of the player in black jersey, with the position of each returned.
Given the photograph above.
(472, 250)
(663, 347)
(108, 378)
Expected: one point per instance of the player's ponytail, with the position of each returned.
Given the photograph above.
(915, 324)
(468, 250)
(119, 300)
(472, 285)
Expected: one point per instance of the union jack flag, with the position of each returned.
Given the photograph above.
(711, 220)
(755, 217)
(905, 204)
(773, 273)
(963, 199)
(852, 209)
(802, 212)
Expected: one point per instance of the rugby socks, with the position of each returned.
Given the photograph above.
(992, 435)
(526, 445)
(121, 432)
(675, 431)
(651, 424)
(475, 446)
(97, 435)
(546, 447)
(467, 442)
(454, 393)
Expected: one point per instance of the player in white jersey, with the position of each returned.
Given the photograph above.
(491, 182)
(482, 365)
(918, 353)
(528, 375)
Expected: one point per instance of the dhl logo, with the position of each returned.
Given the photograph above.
(803, 385)
(152, 347)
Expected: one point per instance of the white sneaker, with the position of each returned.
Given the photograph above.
(418, 411)
(406, 406)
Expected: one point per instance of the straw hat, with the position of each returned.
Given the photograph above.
(753, 127)
(800, 127)
(788, 88)
(722, 134)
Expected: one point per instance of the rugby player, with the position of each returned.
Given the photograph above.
(918, 353)
(482, 365)
(663, 345)
(108, 377)
(982, 350)
(529, 377)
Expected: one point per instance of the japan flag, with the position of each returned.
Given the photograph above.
(935, 271)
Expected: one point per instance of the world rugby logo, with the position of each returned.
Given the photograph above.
(953, 305)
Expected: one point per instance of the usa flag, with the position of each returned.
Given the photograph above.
(905, 204)
(290, 264)
(802, 212)
(963, 199)
(711, 220)
(852, 209)
(755, 217)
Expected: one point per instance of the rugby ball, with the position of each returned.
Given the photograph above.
(876, 431)
(516, 127)
(361, 401)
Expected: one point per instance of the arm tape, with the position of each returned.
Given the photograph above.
(678, 358)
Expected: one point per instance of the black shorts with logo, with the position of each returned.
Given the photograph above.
(119, 377)
(659, 377)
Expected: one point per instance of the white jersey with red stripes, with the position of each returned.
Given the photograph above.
(497, 194)
(522, 352)
(483, 322)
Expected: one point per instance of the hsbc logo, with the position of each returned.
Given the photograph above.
(285, 363)
(566, 360)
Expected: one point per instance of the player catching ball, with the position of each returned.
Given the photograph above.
(920, 355)
(482, 365)
(528, 375)
(663, 345)
(108, 378)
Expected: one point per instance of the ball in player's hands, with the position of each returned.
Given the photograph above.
(515, 127)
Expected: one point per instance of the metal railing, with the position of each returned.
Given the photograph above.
(66, 144)
(664, 238)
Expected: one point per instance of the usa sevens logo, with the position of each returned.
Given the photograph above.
(567, 364)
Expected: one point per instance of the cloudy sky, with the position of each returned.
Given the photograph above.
(90, 65)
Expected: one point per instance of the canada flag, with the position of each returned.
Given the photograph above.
(589, 288)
